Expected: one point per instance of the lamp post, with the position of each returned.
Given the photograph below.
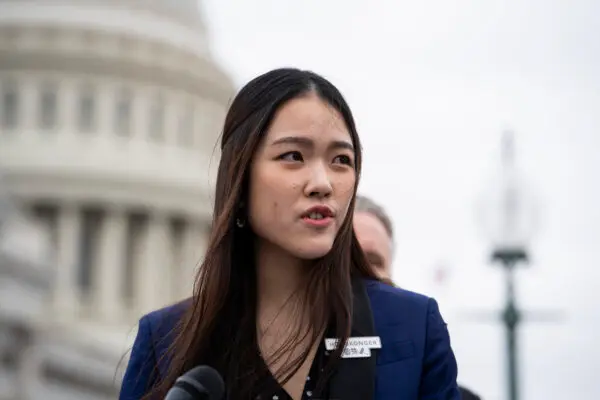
(508, 218)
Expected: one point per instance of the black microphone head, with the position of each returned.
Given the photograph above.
(199, 383)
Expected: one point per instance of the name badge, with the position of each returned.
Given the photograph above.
(356, 347)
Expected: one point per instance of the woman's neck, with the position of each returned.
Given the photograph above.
(279, 278)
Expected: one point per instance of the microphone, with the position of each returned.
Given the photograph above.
(199, 383)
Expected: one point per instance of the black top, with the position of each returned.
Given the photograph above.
(310, 387)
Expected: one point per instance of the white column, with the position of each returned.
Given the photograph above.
(176, 261)
(139, 118)
(151, 277)
(170, 127)
(29, 97)
(108, 279)
(106, 97)
(66, 296)
(195, 241)
(68, 108)
(30, 380)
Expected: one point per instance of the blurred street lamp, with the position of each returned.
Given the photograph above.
(508, 213)
(508, 217)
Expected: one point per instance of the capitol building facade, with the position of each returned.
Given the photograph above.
(110, 112)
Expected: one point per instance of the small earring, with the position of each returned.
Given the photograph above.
(240, 223)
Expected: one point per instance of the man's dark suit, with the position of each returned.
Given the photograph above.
(466, 394)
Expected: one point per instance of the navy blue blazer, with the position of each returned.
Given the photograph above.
(415, 361)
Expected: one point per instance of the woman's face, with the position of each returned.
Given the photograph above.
(302, 179)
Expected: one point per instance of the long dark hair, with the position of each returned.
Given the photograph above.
(219, 325)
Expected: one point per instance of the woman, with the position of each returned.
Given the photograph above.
(283, 270)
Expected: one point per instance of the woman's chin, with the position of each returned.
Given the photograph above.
(312, 251)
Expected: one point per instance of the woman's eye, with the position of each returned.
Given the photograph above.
(343, 159)
(293, 156)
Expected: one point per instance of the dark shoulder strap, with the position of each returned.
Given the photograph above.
(355, 377)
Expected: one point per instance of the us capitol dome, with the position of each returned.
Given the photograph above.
(110, 112)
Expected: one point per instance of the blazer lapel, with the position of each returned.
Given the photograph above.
(355, 377)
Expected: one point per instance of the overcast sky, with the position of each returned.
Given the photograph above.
(432, 85)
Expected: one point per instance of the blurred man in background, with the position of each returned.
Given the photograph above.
(375, 233)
